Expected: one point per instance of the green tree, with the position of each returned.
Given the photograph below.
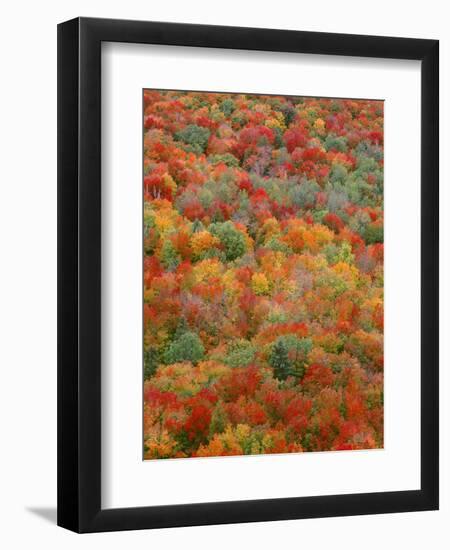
(227, 107)
(182, 328)
(279, 360)
(289, 355)
(303, 193)
(219, 419)
(289, 114)
(197, 226)
(345, 253)
(336, 143)
(187, 347)
(298, 349)
(227, 158)
(169, 256)
(151, 361)
(373, 233)
(240, 353)
(232, 239)
(196, 137)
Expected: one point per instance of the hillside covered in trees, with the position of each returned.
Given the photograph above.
(263, 274)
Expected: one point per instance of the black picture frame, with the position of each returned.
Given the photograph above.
(79, 274)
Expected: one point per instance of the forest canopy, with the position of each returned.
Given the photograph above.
(263, 274)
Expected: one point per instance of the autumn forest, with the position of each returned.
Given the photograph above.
(263, 274)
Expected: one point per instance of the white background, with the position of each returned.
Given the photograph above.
(129, 481)
(28, 285)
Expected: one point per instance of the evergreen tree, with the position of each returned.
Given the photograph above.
(279, 360)
(182, 327)
(151, 359)
(219, 419)
(197, 226)
(373, 233)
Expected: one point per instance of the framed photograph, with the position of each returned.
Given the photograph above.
(247, 275)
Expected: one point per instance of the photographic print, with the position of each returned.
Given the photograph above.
(262, 274)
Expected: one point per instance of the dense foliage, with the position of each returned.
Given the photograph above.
(263, 274)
